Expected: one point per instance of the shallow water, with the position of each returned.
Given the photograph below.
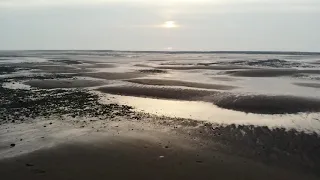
(203, 111)
(16, 85)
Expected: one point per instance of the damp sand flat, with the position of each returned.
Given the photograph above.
(224, 78)
(114, 76)
(51, 83)
(264, 104)
(140, 155)
(161, 82)
(270, 72)
(59, 69)
(229, 67)
(65, 61)
(154, 92)
(261, 104)
(97, 65)
(311, 85)
(127, 161)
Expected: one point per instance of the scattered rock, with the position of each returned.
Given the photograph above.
(32, 103)
(38, 171)
(152, 71)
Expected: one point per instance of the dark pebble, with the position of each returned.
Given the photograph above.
(199, 161)
(39, 171)
(166, 147)
(29, 165)
(12, 145)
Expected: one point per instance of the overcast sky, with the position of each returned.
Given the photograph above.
(281, 25)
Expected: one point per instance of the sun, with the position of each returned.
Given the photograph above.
(170, 24)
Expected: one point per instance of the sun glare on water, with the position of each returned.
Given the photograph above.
(170, 24)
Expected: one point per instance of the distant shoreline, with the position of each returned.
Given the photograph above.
(183, 52)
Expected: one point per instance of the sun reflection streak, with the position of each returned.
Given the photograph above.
(170, 24)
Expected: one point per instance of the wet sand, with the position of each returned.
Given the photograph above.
(274, 63)
(126, 151)
(59, 69)
(142, 65)
(157, 60)
(27, 64)
(97, 65)
(6, 70)
(127, 161)
(114, 76)
(66, 61)
(177, 64)
(317, 62)
(229, 67)
(154, 92)
(311, 85)
(220, 78)
(261, 104)
(51, 84)
(270, 72)
(161, 82)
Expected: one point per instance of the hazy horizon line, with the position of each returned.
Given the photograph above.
(183, 51)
